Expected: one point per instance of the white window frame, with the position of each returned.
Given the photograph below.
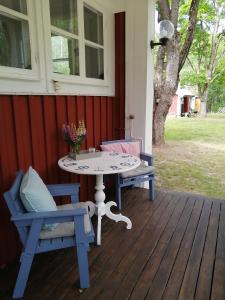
(11, 72)
(64, 33)
(62, 83)
(41, 79)
(93, 44)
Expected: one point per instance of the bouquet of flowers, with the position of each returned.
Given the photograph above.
(74, 136)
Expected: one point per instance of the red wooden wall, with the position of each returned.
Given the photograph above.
(30, 134)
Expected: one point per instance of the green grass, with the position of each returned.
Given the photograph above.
(193, 159)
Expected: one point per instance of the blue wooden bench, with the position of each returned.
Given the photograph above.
(141, 174)
(36, 240)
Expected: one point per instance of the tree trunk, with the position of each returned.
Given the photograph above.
(203, 109)
(166, 83)
(204, 102)
(169, 63)
(162, 109)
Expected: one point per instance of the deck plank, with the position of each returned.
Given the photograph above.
(218, 286)
(191, 274)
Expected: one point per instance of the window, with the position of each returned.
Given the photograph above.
(56, 46)
(15, 48)
(64, 37)
(94, 51)
(17, 5)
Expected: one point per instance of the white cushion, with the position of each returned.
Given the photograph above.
(67, 228)
(140, 170)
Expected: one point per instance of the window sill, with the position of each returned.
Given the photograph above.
(72, 79)
(18, 74)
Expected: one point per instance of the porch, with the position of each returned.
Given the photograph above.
(175, 249)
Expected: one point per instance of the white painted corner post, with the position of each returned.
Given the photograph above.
(140, 26)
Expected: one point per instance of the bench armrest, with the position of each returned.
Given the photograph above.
(59, 216)
(147, 157)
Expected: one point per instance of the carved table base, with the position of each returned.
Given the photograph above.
(101, 208)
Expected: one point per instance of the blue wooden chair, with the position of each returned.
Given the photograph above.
(77, 230)
(141, 174)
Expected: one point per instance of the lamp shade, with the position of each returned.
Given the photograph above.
(166, 29)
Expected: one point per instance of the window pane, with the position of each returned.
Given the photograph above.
(94, 62)
(65, 55)
(18, 5)
(64, 14)
(14, 43)
(93, 25)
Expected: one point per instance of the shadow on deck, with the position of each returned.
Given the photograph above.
(175, 250)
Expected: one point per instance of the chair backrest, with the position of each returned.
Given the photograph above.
(14, 203)
(135, 151)
(128, 140)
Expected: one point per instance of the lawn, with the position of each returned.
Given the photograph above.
(193, 159)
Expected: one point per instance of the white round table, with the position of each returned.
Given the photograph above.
(104, 163)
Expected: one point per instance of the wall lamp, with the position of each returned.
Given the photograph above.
(166, 31)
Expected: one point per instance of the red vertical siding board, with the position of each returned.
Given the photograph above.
(8, 150)
(61, 118)
(81, 116)
(51, 137)
(61, 115)
(103, 119)
(81, 113)
(114, 123)
(109, 119)
(90, 140)
(97, 121)
(22, 129)
(71, 109)
(72, 118)
(10, 245)
(89, 121)
(38, 135)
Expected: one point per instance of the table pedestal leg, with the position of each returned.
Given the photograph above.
(99, 228)
(118, 217)
(104, 209)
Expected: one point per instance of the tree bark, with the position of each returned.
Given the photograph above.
(203, 109)
(204, 101)
(165, 88)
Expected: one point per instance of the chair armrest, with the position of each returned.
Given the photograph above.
(64, 189)
(59, 216)
(147, 157)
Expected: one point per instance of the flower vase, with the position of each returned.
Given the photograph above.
(75, 150)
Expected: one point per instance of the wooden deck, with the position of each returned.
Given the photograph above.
(175, 250)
